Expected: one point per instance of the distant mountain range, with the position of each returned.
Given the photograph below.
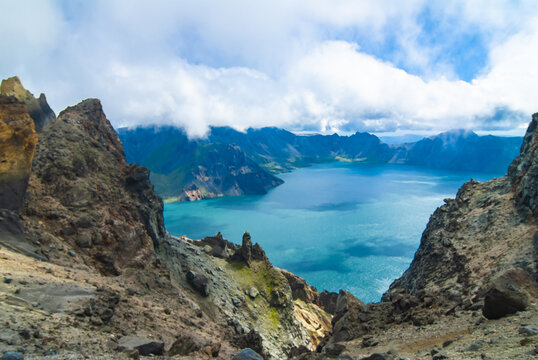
(229, 162)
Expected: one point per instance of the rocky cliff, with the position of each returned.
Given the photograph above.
(477, 262)
(488, 228)
(226, 170)
(89, 270)
(18, 140)
(83, 193)
(38, 108)
(86, 257)
(239, 284)
(523, 172)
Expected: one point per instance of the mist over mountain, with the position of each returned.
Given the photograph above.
(460, 150)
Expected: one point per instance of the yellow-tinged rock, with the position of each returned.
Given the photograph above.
(38, 108)
(18, 141)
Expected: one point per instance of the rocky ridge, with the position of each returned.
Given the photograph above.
(86, 257)
(38, 108)
(188, 170)
(82, 193)
(191, 169)
(254, 297)
(477, 262)
(17, 146)
(135, 291)
(226, 170)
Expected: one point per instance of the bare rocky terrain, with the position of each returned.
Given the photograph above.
(88, 271)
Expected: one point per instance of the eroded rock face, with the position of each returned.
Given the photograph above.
(247, 253)
(523, 172)
(145, 347)
(300, 288)
(88, 212)
(18, 140)
(243, 289)
(82, 192)
(510, 292)
(348, 309)
(484, 231)
(38, 109)
(472, 255)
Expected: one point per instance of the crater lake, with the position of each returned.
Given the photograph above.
(351, 226)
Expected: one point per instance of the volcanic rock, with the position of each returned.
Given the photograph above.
(145, 347)
(347, 313)
(38, 109)
(10, 355)
(300, 289)
(218, 246)
(82, 188)
(184, 345)
(510, 292)
(200, 283)
(18, 140)
(378, 356)
(247, 354)
(484, 231)
(247, 253)
(523, 172)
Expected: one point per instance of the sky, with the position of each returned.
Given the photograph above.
(324, 66)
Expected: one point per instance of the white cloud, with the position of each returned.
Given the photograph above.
(293, 64)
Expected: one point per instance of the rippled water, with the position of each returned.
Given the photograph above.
(339, 226)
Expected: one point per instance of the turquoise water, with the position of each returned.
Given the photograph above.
(339, 226)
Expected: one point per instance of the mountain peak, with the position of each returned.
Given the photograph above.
(88, 115)
(38, 108)
(13, 87)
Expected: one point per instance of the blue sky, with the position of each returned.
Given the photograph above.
(328, 66)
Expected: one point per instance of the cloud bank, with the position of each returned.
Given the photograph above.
(325, 66)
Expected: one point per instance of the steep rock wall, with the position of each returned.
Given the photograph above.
(38, 108)
(18, 140)
(488, 228)
(83, 193)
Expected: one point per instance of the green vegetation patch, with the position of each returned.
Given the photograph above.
(259, 275)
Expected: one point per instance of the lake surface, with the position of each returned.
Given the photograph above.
(345, 226)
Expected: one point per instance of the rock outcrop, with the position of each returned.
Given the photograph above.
(488, 228)
(18, 140)
(243, 288)
(87, 215)
(38, 109)
(510, 292)
(301, 290)
(82, 193)
(478, 255)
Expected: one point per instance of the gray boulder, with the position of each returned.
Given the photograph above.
(12, 356)
(144, 346)
(378, 356)
(247, 354)
(510, 292)
(200, 283)
(184, 345)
